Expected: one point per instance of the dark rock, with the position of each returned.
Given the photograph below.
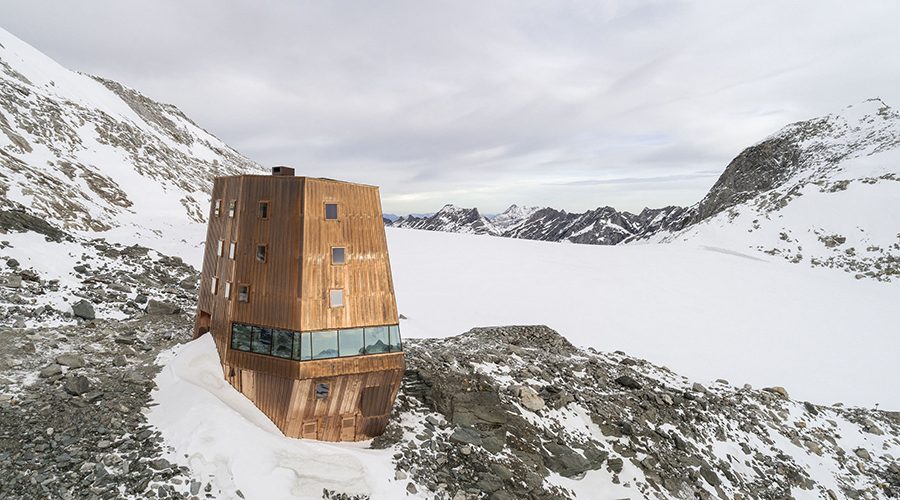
(464, 435)
(627, 381)
(50, 371)
(710, 476)
(70, 360)
(158, 307)
(13, 263)
(83, 309)
(119, 360)
(77, 385)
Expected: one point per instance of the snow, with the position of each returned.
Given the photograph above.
(228, 441)
(706, 313)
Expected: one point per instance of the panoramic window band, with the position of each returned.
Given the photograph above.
(321, 344)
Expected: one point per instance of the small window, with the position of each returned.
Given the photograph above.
(220, 248)
(232, 208)
(338, 255)
(227, 289)
(331, 211)
(263, 212)
(217, 208)
(214, 285)
(321, 391)
(336, 297)
(232, 249)
(261, 252)
(243, 293)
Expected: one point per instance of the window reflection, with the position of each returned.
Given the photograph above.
(282, 343)
(394, 332)
(262, 340)
(240, 337)
(303, 346)
(377, 340)
(351, 342)
(324, 344)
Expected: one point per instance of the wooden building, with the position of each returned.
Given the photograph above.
(296, 290)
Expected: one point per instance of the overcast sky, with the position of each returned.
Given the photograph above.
(567, 104)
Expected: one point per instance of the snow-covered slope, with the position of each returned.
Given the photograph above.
(823, 192)
(706, 312)
(512, 217)
(93, 156)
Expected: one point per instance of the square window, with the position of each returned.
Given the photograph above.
(338, 255)
(336, 297)
(243, 293)
(232, 248)
(227, 289)
(214, 285)
(321, 391)
(217, 208)
(261, 252)
(331, 211)
(220, 248)
(232, 208)
(263, 210)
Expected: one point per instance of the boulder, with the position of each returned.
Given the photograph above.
(13, 263)
(464, 435)
(161, 308)
(14, 281)
(530, 399)
(627, 381)
(77, 385)
(781, 391)
(83, 309)
(50, 371)
(70, 360)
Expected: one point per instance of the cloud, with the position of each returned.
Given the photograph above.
(571, 104)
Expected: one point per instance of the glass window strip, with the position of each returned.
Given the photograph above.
(263, 341)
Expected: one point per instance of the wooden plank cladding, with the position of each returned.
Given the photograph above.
(302, 254)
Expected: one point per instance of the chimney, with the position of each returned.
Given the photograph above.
(282, 170)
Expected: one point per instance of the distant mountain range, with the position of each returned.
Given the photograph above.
(602, 226)
(846, 164)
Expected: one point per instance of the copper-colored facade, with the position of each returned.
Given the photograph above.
(296, 290)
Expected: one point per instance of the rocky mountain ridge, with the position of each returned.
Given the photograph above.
(601, 226)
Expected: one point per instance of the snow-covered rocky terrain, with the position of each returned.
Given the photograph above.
(103, 195)
(823, 192)
(100, 159)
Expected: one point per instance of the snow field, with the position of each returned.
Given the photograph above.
(705, 312)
